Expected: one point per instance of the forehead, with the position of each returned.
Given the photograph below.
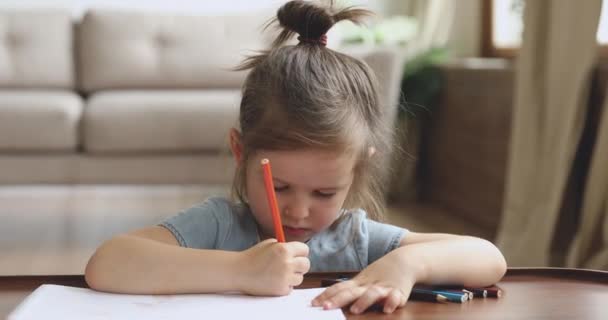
(309, 167)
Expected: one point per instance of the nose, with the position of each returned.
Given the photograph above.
(296, 210)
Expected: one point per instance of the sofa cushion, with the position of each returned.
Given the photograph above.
(143, 50)
(36, 49)
(171, 121)
(39, 120)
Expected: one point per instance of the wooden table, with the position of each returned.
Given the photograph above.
(529, 293)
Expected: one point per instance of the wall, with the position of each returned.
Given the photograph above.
(464, 37)
(187, 6)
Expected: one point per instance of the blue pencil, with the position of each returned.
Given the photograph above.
(451, 296)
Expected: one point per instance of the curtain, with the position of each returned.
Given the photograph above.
(590, 248)
(551, 88)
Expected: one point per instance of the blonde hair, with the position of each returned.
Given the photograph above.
(309, 96)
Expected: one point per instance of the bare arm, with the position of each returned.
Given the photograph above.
(150, 261)
(445, 258)
(421, 258)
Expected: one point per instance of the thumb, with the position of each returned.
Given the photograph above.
(268, 241)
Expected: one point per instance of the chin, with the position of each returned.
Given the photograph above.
(297, 238)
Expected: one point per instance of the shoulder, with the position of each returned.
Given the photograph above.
(355, 227)
(377, 238)
(216, 207)
(357, 220)
(207, 224)
(216, 204)
(352, 242)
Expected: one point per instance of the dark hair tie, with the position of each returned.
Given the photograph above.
(322, 40)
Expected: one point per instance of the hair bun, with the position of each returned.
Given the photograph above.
(305, 18)
(311, 21)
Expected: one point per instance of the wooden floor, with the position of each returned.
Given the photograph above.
(55, 229)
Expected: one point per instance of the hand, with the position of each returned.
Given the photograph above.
(273, 268)
(385, 282)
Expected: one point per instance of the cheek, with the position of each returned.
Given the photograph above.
(256, 195)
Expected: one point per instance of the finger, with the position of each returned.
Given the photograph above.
(301, 264)
(284, 291)
(298, 249)
(372, 295)
(331, 291)
(266, 243)
(394, 300)
(296, 279)
(344, 297)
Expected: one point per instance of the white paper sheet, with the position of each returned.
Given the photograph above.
(61, 302)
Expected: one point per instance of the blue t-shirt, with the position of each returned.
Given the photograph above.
(349, 245)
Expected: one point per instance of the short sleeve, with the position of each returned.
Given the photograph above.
(201, 226)
(352, 243)
(383, 238)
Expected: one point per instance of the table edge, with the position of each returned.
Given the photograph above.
(17, 282)
(570, 273)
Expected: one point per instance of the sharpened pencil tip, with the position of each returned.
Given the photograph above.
(264, 161)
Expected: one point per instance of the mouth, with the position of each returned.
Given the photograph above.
(295, 231)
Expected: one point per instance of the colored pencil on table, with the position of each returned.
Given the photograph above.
(427, 296)
(494, 291)
(272, 201)
(452, 289)
(478, 292)
(451, 296)
(460, 292)
(470, 293)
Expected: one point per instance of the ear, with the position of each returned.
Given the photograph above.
(236, 146)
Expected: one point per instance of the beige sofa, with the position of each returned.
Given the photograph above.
(129, 97)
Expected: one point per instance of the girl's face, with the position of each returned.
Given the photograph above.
(311, 186)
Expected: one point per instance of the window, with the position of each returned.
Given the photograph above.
(502, 27)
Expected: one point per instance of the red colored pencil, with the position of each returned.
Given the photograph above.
(272, 201)
(494, 291)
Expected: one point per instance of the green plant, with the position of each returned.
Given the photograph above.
(420, 88)
(421, 79)
(421, 82)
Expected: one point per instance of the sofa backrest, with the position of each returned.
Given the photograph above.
(148, 50)
(36, 49)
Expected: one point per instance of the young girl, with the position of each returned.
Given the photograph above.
(314, 113)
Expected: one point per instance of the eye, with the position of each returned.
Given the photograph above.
(280, 188)
(324, 194)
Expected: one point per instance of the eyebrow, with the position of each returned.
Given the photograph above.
(339, 187)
